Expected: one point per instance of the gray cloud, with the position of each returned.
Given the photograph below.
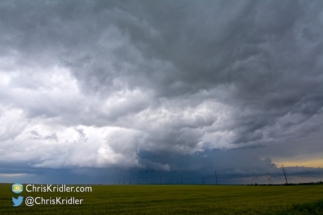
(117, 78)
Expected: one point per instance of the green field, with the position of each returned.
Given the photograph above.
(185, 199)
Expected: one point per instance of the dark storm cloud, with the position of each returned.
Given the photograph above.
(250, 170)
(169, 77)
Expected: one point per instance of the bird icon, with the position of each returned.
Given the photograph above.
(17, 201)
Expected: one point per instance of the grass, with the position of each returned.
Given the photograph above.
(175, 199)
(308, 208)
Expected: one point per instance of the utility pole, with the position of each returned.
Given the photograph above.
(285, 174)
(202, 180)
(270, 181)
(181, 179)
(216, 178)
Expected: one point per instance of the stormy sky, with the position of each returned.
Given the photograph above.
(120, 90)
